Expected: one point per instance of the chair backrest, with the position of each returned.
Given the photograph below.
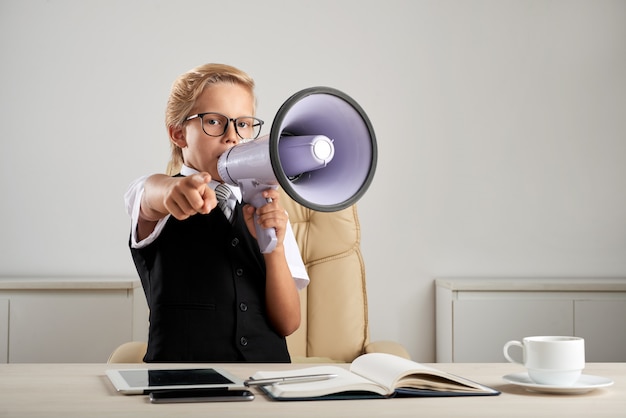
(334, 305)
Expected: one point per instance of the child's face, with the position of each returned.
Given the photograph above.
(201, 151)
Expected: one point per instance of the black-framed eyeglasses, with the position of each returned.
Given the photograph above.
(216, 124)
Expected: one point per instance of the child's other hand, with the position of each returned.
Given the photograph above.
(271, 215)
(187, 196)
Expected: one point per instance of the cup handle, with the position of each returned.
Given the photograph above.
(506, 350)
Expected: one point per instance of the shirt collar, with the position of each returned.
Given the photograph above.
(188, 171)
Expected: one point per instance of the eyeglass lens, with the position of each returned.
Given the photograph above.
(246, 127)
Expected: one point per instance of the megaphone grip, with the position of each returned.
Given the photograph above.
(252, 192)
(266, 237)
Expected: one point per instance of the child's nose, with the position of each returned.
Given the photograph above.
(231, 134)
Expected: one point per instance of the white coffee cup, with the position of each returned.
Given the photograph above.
(551, 360)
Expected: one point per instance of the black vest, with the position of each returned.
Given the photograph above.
(204, 280)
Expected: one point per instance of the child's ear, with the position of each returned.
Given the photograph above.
(177, 135)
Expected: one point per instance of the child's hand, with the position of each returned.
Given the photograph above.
(271, 215)
(187, 196)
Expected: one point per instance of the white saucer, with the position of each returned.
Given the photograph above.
(585, 383)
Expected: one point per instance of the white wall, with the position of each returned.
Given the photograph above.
(501, 128)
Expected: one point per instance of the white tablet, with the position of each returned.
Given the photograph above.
(141, 381)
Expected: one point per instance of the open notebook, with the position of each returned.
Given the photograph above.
(374, 375)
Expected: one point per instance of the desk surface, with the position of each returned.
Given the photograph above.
(80, 390)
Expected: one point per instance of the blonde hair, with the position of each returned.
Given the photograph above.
(185, 92)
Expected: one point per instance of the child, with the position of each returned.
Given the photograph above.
(213, 296)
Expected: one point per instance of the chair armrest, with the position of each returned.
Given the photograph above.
(130, 352)
(389, 347)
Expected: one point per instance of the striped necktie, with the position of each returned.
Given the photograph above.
(223, 192)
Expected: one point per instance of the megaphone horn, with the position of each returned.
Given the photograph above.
(321, 150)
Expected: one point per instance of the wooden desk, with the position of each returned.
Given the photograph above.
(83, 390)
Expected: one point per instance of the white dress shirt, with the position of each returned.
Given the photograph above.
(132, 199)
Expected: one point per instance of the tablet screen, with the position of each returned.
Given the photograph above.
(191, 377)
(135, 381)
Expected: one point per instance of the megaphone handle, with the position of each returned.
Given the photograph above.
(266, 237)
(253, 194)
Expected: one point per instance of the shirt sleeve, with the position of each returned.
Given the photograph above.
(294, 259)
(132, 200)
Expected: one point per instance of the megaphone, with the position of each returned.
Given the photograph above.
(321, 150)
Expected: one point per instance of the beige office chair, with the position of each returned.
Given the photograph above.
(334, 324)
